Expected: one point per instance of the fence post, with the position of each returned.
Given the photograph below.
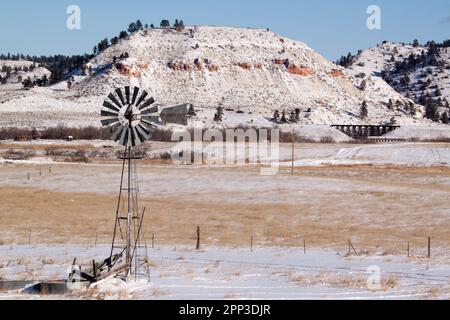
(94, 269)
(429, 247)
(292, 151)
(198, 238)
(304, 246)
(408, 249)
(251, 243)
(153, 240)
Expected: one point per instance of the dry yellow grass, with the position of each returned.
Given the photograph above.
(375, 219)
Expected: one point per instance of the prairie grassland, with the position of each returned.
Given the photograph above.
(378, 208)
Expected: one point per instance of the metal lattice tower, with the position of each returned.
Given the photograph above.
(130, 115)
(128, 237)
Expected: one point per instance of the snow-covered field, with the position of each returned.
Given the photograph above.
(381, 196)
(177, 272)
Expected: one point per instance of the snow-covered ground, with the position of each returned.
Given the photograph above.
(250, 71)
(384, 57)
(178, 272)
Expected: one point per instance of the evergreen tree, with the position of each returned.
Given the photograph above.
(139, 25)
(444, 117)
(191, 111)
(416, 43)
(276, 116)
(220, 110)
(132, 28)
(297, 114)
(152, 26)
(114, 40)
(283, 118)
(431, 112)
(103, 45)
(27, 83)
(393, 121)
(123, 34)
(364, 112)
(164, 23)
(292, 117)
(44, 80)
(219, 114)
(178, 25)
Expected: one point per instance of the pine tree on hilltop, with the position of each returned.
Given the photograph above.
(123, 34)
(364, 112)
(178, 25)
(114, 40)
(164, 23)
(139, 25)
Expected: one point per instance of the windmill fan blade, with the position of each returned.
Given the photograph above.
(108, 105)
(107, 122)
(127, 94)
(135, 94)
(150, 110)
(117, 133)
(115, 126)
(151, 121)
(105, 113)
(120, 95)
(141, 98)
(135, 140)
(123, 140)
(143, 132)
(147, 103)
(113, 99)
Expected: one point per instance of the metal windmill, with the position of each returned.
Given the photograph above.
(131, 115)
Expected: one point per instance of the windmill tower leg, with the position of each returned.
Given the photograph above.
(129, 216)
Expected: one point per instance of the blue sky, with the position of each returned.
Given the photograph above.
(331, 27)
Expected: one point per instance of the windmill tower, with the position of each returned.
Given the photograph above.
(131, 115)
